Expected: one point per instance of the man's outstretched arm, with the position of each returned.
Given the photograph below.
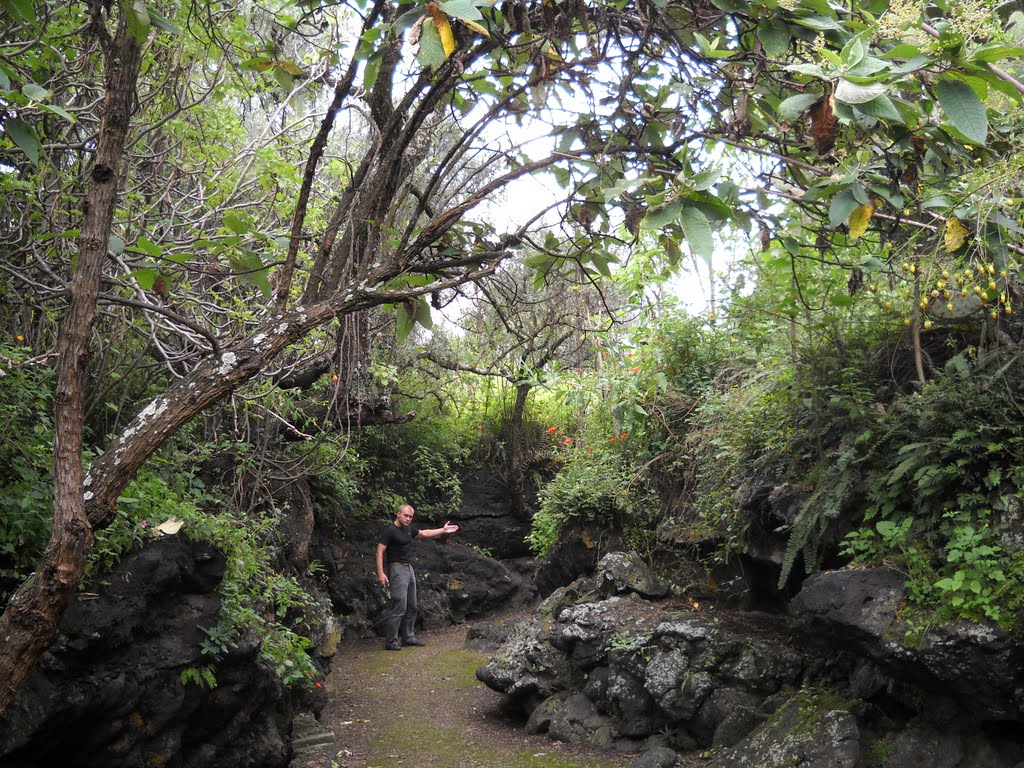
(430, 533)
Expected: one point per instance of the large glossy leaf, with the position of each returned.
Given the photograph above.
(854, 93)
(24, 136)
(882, 108)
(461, 9)
(842, 206)
(431, 53)
(790, 109)
(698, 233)
(964, 109)
(774, 36)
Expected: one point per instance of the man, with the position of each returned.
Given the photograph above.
(393, 551)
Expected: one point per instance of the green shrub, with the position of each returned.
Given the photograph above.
(599, 486)
(26, 467)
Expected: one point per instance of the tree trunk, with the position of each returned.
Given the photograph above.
(517, 453)
(31, 620)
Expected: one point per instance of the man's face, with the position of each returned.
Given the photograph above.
(405, 517)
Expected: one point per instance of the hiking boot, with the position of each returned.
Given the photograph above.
(414, 641)
(393, 645)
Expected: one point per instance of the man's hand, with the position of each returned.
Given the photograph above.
(382, 579)
(448, 527)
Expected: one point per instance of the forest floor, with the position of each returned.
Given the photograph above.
(424, 708)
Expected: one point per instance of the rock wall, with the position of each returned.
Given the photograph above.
(609, 661)
(109, 692)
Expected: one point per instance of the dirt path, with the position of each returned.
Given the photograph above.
(424, 708)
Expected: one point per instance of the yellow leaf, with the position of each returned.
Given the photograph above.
(290, 67)
(168, 528)
(478, 28)
(858, 221)
(956, 234)
(444, 29)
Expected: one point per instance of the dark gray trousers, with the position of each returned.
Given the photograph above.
(402, 583)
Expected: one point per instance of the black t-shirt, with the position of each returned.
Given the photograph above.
(398, 541)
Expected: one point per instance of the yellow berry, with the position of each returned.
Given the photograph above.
(906, 321)
(872, 287)
(906, 266)
(993, 314)
(927, 325)
(991, 285)
(949, 307)
(935, 294)
(945, 274)
(963, 291)
(888, 305)
(1008, 309)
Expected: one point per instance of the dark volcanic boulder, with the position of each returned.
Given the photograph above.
(109, 692)
(979, 665)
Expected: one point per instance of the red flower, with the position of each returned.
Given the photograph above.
(634, 370)
(612, 440)
(567, 441)
(624, 436)
(550, 430)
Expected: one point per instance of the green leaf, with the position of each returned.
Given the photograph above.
(870, 67)
(731, 6)
(24, 136)
(372, 68)
(698, 234)
(853, 93)
(23, 10)
(235, 223)
(145, 277)
(853, 52)
(35, 92)
(461, 9)
(994, 52)
(423, 314)
(162, 22)
(138, 20)
(843, 204)
(882, 108)
(964, 109)
(662, 215)
(405, 320)
(431, 53)
(811, 70)
(149, 248)
(790, 109)
(54, 109)
(819, 23)
(774, 36)
(115, 245)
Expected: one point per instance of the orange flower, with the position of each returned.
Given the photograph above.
(624, 436)
(612, 440)
(550, 430)
(591, 449)
(567, 441)
(635, 370)
(334, 377)
(19, 337)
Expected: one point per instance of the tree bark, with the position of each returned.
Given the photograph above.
(516, 453)
(31, 620)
